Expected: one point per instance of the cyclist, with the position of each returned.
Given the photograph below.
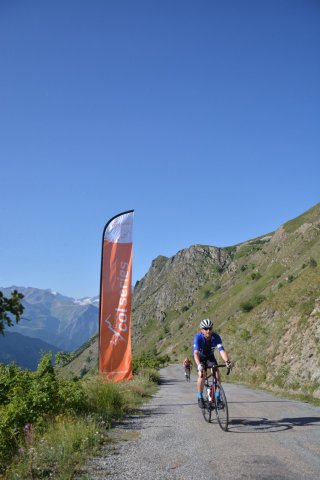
(187, 366)
(204, 344)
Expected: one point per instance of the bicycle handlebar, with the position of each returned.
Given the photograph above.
(222, 365)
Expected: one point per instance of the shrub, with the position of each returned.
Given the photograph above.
(147, 360)
(31, 398)
(250, 304)
(246, 306)
(56, 452)
(255, 275)
(53, 423)
(245, 334)
(313, 263)
(151, 374)
(103, 397)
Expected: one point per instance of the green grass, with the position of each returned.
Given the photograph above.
(302, 397)
(247, 250)
(57, 448)
(57, 452)
(308, 216)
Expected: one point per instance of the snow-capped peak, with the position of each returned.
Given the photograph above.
(87, 301)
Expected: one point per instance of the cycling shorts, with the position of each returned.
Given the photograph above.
(208, 362)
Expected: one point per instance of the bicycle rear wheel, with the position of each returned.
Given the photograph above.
(207, 410)
(221, 408)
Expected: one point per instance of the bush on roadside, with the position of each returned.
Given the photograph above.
(148, 360)
(104, 398)
(31, 398)
(56, 452)
(48, 425)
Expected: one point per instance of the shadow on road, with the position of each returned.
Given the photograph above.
(262, 401)
(264, 425)
(164, 380)
(302, 421)
(170, 381)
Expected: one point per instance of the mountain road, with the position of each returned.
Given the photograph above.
(268, 438)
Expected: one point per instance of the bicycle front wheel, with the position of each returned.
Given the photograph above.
(207, 410)
(221, 408)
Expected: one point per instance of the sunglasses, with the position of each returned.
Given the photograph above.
(207, 328)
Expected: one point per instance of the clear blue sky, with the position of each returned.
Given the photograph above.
(202, 116)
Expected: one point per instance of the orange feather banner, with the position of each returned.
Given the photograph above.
(115, 357)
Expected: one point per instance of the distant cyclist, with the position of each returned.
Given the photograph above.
(204, 344)
(187, 365)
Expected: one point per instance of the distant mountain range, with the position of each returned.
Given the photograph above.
(24, 351)
(63, 322)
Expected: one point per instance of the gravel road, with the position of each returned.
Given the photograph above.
(268, 438)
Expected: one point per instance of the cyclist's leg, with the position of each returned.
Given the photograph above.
(212, 363)
(200, 382)
(217, 375)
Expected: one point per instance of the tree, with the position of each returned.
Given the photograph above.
(10, 307)
(62, 358)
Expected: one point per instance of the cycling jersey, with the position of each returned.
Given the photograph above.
(205, 349)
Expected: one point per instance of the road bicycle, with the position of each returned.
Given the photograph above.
(215, 399)
(187, 373)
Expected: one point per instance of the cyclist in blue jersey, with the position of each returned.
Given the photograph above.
(204, 344)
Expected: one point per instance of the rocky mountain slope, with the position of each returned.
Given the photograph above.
(264, 298)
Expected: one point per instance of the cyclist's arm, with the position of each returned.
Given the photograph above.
(224, 355)
(196, 358)
(222, 351)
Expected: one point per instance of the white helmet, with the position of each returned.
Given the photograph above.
(206, 323)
